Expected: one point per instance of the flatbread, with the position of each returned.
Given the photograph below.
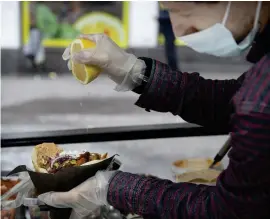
(193, 163)
(202, 176)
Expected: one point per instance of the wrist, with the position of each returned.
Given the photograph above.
(147, 73)
(103, 179)
(134, 77)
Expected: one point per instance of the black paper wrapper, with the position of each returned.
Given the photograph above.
(65, 180)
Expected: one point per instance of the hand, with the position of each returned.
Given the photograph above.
(123, 68)
(84, 199)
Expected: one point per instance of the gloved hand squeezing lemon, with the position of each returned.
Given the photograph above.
(89, 55)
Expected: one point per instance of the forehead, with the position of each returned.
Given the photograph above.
(189, 6)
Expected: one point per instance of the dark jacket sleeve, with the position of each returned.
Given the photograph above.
(195, 99)
(242, 190)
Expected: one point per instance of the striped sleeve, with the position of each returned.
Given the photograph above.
(242, 190)
(245, 183)
(195, 99)
(156, 198)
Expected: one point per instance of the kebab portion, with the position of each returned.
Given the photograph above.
(50, 158)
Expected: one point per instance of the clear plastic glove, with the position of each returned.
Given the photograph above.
(22, 189)
(84, 199)
(125, 69)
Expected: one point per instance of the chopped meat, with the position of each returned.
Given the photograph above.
(6, 185)
(81, 161)
(95, 156)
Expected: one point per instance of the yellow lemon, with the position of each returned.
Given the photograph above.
(83, 73)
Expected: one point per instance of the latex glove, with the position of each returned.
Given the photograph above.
(125, 69)
(84, 199)
(22, 189)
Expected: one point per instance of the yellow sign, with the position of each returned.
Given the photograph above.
(161, 41)
(61, 22)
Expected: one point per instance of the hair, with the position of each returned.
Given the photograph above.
(208, 2)
(196, 2)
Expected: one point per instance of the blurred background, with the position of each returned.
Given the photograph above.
(38, 93)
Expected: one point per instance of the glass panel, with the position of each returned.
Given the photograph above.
(153, 157)
(47, 97)
(30, 104)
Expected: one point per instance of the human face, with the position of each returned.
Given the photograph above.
(190, 17)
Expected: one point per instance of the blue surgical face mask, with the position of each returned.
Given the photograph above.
(218, 40)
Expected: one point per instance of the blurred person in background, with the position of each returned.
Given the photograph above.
(34, 50)
(241, 106)
(165, 28)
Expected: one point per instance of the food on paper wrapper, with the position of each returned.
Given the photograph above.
(207, 176)
(192, 170)
(42, 154)
(6, 185)
(193, 164)
(8, 214)
(49, 158)
(83, 73)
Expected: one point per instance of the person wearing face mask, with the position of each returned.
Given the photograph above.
(241, 106)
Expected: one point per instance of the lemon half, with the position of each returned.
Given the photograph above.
(83, 73)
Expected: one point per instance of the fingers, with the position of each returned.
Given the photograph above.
(93, 37)
(66, 54)
(85, 36)
(57, 199)
(84, 56)
(90, 57)
(69, 65)
(87, 56)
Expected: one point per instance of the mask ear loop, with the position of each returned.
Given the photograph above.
(257, 15)
(226, 15)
